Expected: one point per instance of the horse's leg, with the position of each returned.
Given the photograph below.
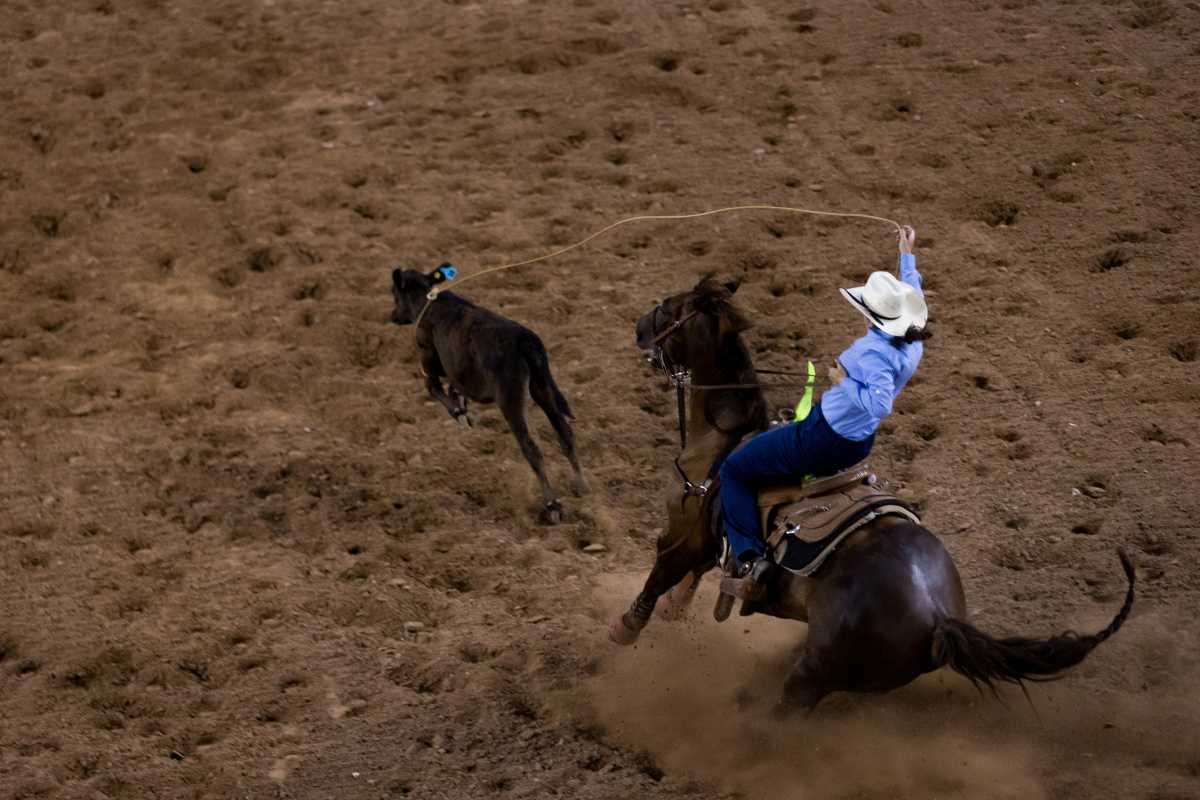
(679, 599)
(562, 429)
(679, 552)
(805, 687)
(512, 406)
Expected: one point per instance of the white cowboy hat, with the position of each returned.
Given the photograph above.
(890, 304)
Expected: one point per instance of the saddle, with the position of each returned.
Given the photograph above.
(805, 521)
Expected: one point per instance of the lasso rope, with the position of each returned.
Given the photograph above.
(433, 293)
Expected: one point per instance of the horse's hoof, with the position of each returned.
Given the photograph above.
(620, 633)
(551, 513)
(580, 486)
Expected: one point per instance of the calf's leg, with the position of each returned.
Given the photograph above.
(460, 414)
(433, 383)
(562, 429)
(512, 406)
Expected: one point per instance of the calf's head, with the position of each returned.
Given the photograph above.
(410, 291)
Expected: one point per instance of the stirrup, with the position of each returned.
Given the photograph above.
(750, 585)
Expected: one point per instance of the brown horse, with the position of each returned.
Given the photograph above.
(888, 604)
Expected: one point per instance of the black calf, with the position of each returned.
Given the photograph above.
(486, 358)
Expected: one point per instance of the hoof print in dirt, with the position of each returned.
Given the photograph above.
(1111, 259)
(1185, 351)
(927, 430)
(229, 277)
(264, 259)
(1127, 329)
(997, 213)
(49, 223)
(666, 62)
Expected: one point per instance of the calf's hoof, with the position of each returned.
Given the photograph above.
(552, 513)
(621, 633)
(580, 486)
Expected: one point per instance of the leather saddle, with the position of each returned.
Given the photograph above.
(805, 521)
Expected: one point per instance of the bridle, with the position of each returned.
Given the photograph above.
(681, 377)
(656, 354)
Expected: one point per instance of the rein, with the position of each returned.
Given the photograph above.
(674, 326)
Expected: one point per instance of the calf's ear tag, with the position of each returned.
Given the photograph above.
(447, 271)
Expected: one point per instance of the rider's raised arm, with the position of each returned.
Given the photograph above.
(908, 271)
(908, 262)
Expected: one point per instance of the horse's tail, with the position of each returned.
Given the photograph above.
(540, 378)
(983, 659)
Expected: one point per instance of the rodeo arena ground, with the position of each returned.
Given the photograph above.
(439, 399)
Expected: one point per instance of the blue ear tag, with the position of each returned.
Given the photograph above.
(448, 272)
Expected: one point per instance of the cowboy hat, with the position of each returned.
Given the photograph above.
(890, 304)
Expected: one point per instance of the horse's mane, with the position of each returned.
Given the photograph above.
(722, 298)
(731, 412)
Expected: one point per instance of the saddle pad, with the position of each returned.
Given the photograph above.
(805, 558)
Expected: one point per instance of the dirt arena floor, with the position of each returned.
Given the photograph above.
(243, 555)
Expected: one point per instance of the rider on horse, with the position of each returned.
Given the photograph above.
(837, 432)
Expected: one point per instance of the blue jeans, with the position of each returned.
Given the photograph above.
(809, 447)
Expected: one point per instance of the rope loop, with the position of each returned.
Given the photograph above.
(433, 293)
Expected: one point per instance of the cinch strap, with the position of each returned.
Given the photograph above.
(804, 407)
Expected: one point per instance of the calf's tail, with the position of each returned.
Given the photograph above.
(540, 377)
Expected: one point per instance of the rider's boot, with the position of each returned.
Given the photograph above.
(756, 575)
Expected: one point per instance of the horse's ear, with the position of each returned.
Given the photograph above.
(733, 285)
(704, 303)
(733, 321)
(703, 286)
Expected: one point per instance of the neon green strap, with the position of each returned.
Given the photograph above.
(805, 405)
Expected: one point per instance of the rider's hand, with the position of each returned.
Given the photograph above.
(907, 237)
(836, 374)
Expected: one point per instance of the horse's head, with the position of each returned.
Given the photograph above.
(410, 291)
(690, 326)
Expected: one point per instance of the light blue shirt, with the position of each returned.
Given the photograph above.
(876, 371)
